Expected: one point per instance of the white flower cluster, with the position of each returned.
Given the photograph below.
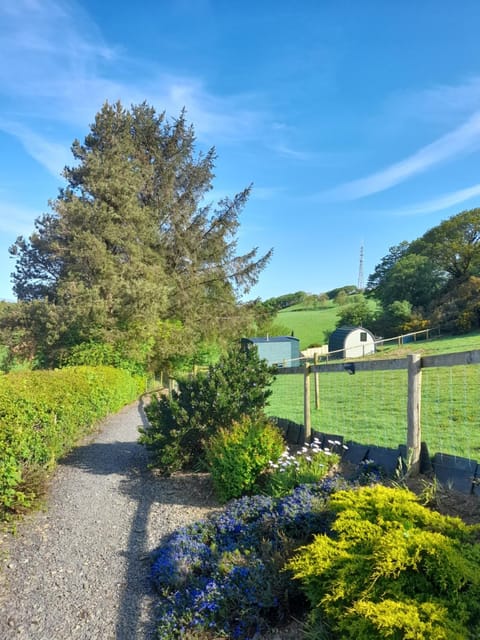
(337, 443)
(307, 452)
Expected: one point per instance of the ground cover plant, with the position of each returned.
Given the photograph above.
(392, 568)
(223, 577)
(307, 465)
(43, 414)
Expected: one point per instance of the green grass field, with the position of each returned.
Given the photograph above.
(371, 407)
(309, 325)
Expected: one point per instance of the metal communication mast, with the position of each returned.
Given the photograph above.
(361, 282)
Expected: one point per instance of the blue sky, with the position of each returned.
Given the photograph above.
(358, 123)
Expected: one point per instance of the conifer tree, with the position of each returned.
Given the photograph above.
(132, 244)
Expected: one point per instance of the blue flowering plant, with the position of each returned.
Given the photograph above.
(369, 472)
(225, 577)
(310, 464)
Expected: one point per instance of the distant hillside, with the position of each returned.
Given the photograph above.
(309, 325)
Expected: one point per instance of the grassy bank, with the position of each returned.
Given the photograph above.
(309, 325)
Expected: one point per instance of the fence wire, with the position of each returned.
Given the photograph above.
(370, 407)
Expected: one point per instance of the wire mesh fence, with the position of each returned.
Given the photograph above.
(370, 407)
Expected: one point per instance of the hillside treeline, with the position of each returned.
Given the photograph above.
(433, 281)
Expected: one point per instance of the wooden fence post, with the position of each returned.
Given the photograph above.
(414, 364)
(306, 403)
(317, 383)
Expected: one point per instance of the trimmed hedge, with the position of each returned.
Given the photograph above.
(43, 414)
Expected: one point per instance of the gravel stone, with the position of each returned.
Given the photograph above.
(78, 570)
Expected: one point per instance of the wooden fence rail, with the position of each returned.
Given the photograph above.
(414, 364)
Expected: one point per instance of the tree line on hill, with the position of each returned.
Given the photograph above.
(433, 281)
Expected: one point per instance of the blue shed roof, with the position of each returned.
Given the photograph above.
(272, 339)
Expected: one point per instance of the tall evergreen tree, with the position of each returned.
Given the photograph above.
(131, 243)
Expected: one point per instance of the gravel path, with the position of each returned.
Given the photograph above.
(79, 569)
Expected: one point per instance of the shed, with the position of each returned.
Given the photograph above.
(282, 351)
(351, 342)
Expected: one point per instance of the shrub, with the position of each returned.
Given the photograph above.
(310, 464)
(95, 354)
(393, 569)
(181, 424)
(236, 456)
(224, 576)
(43, 414)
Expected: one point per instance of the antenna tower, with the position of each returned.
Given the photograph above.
(361, 282)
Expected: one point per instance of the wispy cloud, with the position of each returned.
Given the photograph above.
(289, 152)
(439, 103)
(57, 70)
(439, 204)
(54, 156)
(16, 220)
(464, 139)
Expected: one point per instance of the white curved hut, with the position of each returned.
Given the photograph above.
(351, 342)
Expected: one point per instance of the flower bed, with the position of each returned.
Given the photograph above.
(224, 576)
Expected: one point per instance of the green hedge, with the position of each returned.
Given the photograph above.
(42, 416)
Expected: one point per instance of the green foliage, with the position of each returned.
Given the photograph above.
(458, 310)
(44, 413)
(430, 272)
(454, 244)
(392, 568)
(130, 241)
(238, 385)
(97, 353)
(397, 319)
(308, 465)
(285, 301)
(347, 289)
(414, 278)
(341, 298)
(360, 312)
(237, 455)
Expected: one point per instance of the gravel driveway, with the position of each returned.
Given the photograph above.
(79, 569)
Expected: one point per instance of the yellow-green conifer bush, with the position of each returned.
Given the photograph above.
(236, 456)
(391, 568)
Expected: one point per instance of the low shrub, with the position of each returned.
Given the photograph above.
(224, 576)
(182, 423)
(43, 414)
(391, 569)
(310, 464)
(236, 456)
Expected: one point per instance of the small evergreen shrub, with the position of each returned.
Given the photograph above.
(310, 464)
(391, 569)
(223, 577)
(180, 425)
(43, 414)
(236, 456)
